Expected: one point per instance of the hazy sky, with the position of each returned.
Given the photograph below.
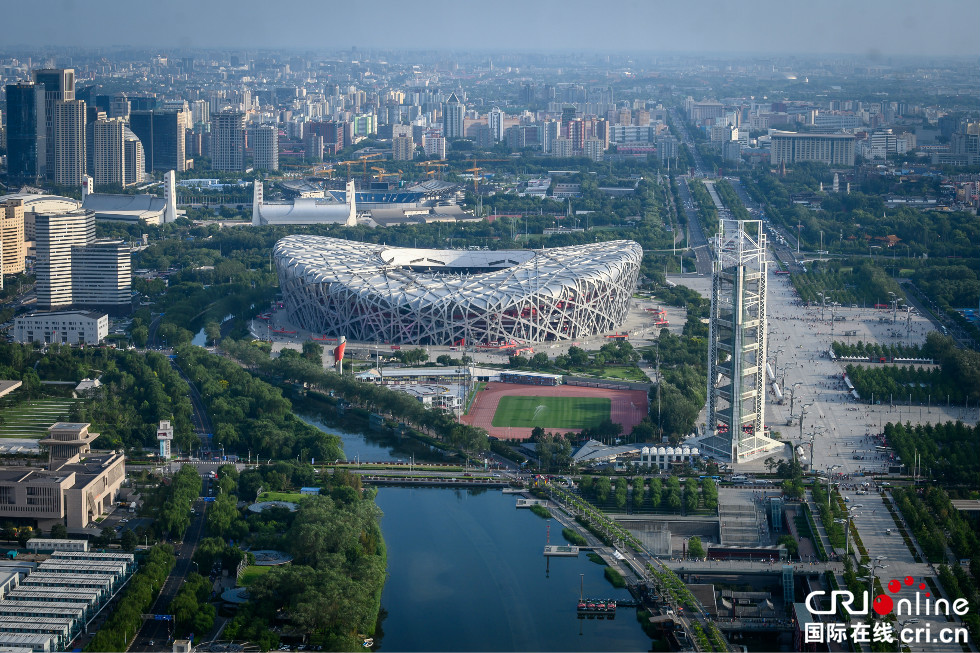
(912, 27)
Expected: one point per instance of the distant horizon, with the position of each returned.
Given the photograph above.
(50, 50)
(873, 29)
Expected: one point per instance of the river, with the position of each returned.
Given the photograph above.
(466, 573)
(375, 447)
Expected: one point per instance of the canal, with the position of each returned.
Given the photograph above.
(466, 573)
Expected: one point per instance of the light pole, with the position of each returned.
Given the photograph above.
(802, 415)
(871, 576)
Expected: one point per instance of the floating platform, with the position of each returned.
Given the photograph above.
(561, 550)
(513, 490)
(527, 503)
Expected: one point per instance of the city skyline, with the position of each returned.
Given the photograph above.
(883, 29)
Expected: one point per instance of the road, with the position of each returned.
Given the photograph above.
(202, 423)
(697, 242)
(155, 635)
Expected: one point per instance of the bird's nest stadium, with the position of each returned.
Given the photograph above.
(377, 293)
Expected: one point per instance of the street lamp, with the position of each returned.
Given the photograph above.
(802, 415)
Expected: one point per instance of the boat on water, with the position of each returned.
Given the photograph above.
(597, 605)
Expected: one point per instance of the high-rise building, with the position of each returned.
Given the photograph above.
(120, 107)
(495, 119)
(550, 130)
(69, 142)
(434, 145)
(59, 86)
(593, 149)
(117, 156)
(228, 141)
(162, 135)
(13, 250)
(134, 169)
(737, 345)
(102, 276)
(264, 140)
(200, 112)
(57, 235)
(26, 135)
(452, 117)
(402, 148)
(74, 269)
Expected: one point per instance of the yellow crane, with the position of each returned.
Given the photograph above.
(476, 177)
(382, 173)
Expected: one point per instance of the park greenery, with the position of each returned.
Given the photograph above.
(956, 380)
(330, 594)
(122, 625)
(293, 368)
(250, 415)
(876, 350)
(859, 282)
(730, 199)
(614, 359)
(707, 212)
(170, 502)
(138, 390)
(851, 222)
(936, 524)
(683, 377)
(949, 453)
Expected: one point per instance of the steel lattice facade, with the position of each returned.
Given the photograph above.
(375, 293)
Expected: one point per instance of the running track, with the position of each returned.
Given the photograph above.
(627, 407)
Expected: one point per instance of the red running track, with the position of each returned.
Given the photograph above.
(627, 407)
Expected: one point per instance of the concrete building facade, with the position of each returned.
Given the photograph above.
(69, 142)
(13, 249)
(832, 149)
(228, 141)
(64, 327)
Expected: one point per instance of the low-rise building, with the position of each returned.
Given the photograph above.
(77, 487)
(64, 327)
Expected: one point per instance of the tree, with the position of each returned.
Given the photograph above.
(59, 532)
(313, 352)
(695, 549)
(792, 546)
(104, 538)
(128, 540)
(212, 331)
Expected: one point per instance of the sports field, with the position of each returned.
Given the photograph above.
(551, 412)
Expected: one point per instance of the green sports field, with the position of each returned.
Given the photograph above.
(551, 412)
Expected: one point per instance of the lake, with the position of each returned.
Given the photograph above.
(466, 573)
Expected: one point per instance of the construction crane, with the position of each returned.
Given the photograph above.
(323, 170)
(476, 177)
(362, 161)
(382, 173)
(431, 164)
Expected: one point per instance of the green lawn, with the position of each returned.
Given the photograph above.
(251, 573)
(292, 497)
(31, 419)
(551, 412)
